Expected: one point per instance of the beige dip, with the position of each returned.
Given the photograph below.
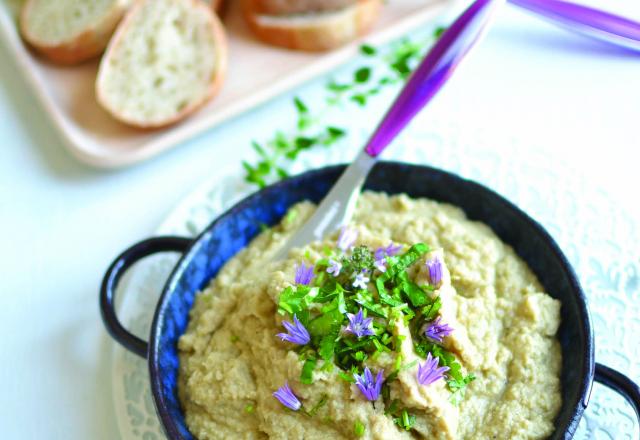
(231, 360)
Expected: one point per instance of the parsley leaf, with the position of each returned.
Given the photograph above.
(296, 300)
(458, 388)
(362, 75)
(402, 263)
(368, 50)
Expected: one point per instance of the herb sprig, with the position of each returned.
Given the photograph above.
(393, 65)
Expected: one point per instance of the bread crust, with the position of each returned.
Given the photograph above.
(217, 79)
(218, 6)
(83, 46)
(347, 25)
(288, 7)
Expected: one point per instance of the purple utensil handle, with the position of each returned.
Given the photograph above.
(433, 72)
(588, 21)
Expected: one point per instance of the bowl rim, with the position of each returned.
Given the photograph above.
(587, 366)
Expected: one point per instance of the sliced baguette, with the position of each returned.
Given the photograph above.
(70, 31)
(167, 59)
(314, 31)
(288, 7)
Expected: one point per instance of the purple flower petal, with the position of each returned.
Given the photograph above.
(334, 267)
(381, 265)
(287, 398)
(304, 274)
(393, 250)
(436, 331)
(388, 251)
(435, 271)
(429, 372)
(297, 333)
(347, 238)
(369, 388)
(359, 325)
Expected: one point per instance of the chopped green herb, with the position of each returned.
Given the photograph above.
(322, 402)
(368, 50)
(300, 106)
(249, 409)
(439, 31)
(347, 324)
(306, 375)
(346, 377)
(395, 63)
(458, 388)
(362, 75)
(359, 428)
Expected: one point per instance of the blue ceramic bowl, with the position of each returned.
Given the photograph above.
(204, 256)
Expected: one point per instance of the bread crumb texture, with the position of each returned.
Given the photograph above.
(164, 61)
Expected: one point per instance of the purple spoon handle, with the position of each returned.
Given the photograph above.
(433, 72)
(602, 25)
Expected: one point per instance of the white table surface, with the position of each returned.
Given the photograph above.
(62, 222)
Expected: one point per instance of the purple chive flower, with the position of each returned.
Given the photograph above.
(437, 331)
(297, 333)
(435, 271)
(429, 372)
(382, 252)
(370, 388)
(304, 274)
(359, 325)
(287, 398)
(388, 251)
(347, 238)
(381, 265)
(334, 267)
(361, 280)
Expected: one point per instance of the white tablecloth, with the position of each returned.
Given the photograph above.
(568, 104)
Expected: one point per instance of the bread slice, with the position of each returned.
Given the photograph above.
(70, 31)
(314, 31)
(167, 59)
(288, 7)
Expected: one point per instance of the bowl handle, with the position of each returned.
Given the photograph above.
(621, 384)
(111, 279)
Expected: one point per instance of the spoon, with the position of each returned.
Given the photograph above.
(337, 208)
(588, 21)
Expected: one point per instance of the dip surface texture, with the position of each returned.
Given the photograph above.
(231, 360)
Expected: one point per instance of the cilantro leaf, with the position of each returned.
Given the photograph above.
(430, 311)
(296, 300)
(328, 346)
(402, 263)
(362, 75)
(416, 296)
